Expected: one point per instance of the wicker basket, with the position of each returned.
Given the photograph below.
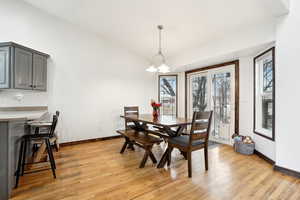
(244, 148)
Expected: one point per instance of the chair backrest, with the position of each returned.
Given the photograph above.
(53, 126)
(130, 110)
(200, 126)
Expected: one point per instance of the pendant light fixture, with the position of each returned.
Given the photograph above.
(158, 61)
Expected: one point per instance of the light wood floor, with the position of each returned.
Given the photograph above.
(98, 171)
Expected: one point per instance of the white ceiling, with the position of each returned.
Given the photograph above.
(188, 23)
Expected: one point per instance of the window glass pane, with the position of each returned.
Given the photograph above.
(267, 76)
(168, 94)
(199, 92)
(221, 97)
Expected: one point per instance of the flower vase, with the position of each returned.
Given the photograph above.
(155, 113)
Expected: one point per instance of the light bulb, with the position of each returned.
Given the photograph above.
(163, 68)
(151, 69)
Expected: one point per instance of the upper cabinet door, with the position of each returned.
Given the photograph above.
(39, 72)
(4, 67)
(23, 69)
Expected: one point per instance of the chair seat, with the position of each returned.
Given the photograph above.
(184, 140)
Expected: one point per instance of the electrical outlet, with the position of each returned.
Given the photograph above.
(19, 97)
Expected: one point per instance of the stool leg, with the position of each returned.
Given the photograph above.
(52, 162)
(17, 174)
(24, 156)
(52, 154)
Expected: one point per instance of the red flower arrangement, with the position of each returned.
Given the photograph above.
(155, 107)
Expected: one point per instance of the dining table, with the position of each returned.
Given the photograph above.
(164, 126)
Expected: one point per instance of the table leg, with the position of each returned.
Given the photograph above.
(180, 130)
(171, 133)
(163, 159)
(144, 160)
(152, 155)
(130, 146)
(184, 155)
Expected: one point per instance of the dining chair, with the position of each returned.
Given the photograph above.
(129, 110)
(196, 139)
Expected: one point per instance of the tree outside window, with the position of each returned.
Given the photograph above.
(168, 94)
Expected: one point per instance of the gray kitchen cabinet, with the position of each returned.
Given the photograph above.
(39, 72)
(11, 133)
(4, 67)
(22, 67)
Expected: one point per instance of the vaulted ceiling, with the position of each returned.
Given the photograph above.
(188, 23)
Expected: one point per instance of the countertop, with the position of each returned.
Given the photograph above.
(21, 115)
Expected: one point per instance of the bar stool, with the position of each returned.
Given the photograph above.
(26, 140)
(40, 128)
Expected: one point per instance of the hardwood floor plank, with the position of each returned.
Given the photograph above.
(97, 170)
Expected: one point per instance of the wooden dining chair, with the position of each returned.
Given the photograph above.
(195, 140)
(129, 110)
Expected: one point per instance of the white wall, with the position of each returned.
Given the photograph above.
(287, 94)
(89, 79)
(263, 145)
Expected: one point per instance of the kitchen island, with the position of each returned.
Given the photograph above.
(12, 128)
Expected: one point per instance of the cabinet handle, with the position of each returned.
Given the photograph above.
(34, 86)
(31, 86)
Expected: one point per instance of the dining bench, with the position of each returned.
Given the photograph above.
(141, 139)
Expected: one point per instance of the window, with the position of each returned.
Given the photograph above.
(199, 92)
(264, 94)
(168, 94)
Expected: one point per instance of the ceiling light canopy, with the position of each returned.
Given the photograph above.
(158, 62)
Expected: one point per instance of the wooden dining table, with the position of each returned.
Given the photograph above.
(164, 126)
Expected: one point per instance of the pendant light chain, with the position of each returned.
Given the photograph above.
(159, 32)
(162, 68)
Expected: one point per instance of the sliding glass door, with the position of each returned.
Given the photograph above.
(214, 90)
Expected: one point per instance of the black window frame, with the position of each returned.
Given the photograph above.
(272, 50)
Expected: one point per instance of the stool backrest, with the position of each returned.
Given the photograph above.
(53, 126)
(130, 110)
